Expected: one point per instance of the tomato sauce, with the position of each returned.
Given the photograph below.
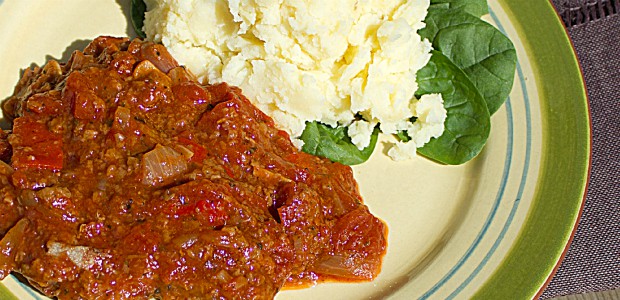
(123, 177)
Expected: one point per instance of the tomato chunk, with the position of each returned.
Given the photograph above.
(202, 200)
(35, 146)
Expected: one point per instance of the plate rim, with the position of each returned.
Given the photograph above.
(503, 284)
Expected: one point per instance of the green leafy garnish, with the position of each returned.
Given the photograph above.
(335, 144)
(468, 121)
(403, 136)
(137, 10)
(486, 55)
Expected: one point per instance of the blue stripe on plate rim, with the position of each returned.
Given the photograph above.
(500, 192)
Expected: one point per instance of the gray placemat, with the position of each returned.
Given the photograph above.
(605, 295)
(592, 262)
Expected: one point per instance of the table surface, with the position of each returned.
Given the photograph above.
(592, 262)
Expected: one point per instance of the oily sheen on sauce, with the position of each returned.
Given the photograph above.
(126, 178)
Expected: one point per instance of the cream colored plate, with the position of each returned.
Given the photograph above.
(453, 231)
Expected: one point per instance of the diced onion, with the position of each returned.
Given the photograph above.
(122, 117)
(143, 69)
(187, 153)
(82, 256)
(161, 165)
(348, 267)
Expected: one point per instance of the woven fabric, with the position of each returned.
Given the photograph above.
(577, 12)
(592, 262)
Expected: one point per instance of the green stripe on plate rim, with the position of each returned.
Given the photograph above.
(5, 294)
(565, 158)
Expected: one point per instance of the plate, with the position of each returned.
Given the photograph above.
(494, 228)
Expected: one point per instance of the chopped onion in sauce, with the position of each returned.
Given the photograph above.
(161, 165)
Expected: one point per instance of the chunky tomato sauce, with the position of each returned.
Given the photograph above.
(122, 177)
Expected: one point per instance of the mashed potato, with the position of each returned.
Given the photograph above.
(309, 60)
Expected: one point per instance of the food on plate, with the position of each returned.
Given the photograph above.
(337, 62)
(335, 74)
(125, 178)
(473, 67)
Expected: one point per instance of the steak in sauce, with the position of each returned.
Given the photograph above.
(122, 177)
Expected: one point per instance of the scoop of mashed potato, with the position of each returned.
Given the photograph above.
(309, 60)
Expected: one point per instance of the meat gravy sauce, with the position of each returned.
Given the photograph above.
(123, 177)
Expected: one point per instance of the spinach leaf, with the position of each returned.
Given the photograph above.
(137, 10)
(487, 56)
(468, 121)
(477, 8)
(334, 144)
(403, 136)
